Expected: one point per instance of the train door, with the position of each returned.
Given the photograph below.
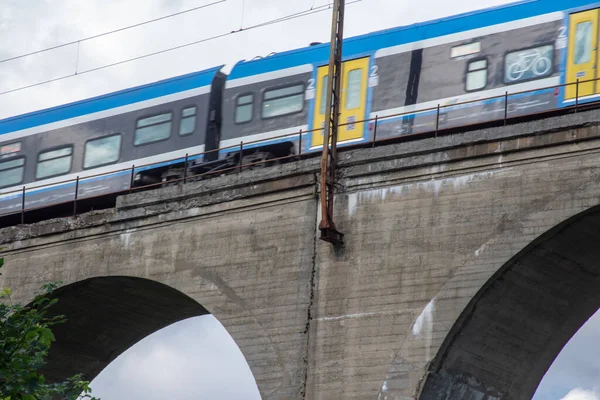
(582, 58)
(353, 101)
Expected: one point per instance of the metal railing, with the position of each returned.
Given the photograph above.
(22, 193)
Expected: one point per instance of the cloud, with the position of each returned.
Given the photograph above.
(581, 394)
(24, 28)
(577, 365)
(194, 358)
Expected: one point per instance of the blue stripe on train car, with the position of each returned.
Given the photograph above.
(64, 185)
(449, 108)
(369, 43)
(266, 142)
(167, 163)
(108, 101)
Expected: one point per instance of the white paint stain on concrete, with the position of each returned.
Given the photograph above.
(348, 316)
(425, 320)
(437, 186)
(384, 388)
(481, 250)
(423, 328)
(371, 196)
(434, 185)
(352, 203)
(125, 239)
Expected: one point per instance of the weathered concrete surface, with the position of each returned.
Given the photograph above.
(246, 261)
(428, 226)
(421, 243)
(543, 295)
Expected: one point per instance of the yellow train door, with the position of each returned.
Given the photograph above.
(353, 98)
(582, 58)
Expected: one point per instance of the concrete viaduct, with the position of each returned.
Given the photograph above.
(469, 261)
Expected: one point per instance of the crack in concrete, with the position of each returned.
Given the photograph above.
(312, 294)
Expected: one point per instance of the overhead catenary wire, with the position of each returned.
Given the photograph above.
(78, 41)
(242, 19)
(204, 40)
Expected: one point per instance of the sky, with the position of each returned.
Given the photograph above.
(192, 359)
(196, 358)
(575, 373)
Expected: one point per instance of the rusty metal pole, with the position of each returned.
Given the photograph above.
(329, 157)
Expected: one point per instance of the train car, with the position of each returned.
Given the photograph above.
(100, 139)
(281, 99)
(478, 65)
(402, 75)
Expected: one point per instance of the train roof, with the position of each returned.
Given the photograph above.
(367, 44)
(111, 100)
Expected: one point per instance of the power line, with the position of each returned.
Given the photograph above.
(208, 39)
(58, 46)
(243, 7)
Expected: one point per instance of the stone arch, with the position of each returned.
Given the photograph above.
(512, 330)
(108, 315)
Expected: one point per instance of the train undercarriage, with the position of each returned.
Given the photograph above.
(198, 168)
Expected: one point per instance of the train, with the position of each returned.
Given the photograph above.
(536, 50)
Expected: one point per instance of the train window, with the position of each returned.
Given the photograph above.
(283, 101)
(528, 64)
(102, 151)
(10, 149)
(324, 94)
(465, 50)
(11, 171)
(353, 89)
(153, 129)
(583, 42)
(244, 108)
(54, 162)
(477, 73)
(188, 121)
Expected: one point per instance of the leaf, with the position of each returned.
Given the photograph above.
(25, 340)
(5, 292)
(32, 334)
(46, 336)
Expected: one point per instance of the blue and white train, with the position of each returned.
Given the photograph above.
(532, 46)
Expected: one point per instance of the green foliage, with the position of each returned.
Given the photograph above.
(25, 339)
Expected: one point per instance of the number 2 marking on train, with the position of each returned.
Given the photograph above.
(374, 76)
(310, 90)
(561, 40)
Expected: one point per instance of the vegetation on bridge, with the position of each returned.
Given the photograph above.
(25, 340)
